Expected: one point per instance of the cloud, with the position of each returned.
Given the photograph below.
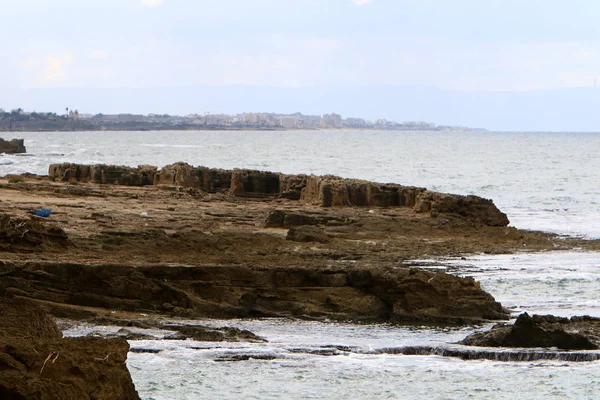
(156, 3)
(361, 2)
(55, 68)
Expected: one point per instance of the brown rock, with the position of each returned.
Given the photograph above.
(471, 207)
(12, 147)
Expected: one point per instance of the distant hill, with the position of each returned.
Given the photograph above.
(573, 109)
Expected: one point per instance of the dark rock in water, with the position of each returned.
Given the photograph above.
(122, 334)
(541, 331)
(499, 355)
(208, 334)
(245, 357)
(307, 234)
(37, 363)
(12, 147)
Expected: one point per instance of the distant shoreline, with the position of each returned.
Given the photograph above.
(227, 128)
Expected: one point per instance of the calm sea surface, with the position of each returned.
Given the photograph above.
(543, 181)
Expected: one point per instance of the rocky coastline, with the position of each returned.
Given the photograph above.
(195, 242)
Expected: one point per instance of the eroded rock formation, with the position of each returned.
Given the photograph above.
(37, 363)
(13, 146)
(327, 191)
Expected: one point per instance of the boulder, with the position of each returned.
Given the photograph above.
(14, 146)
(579, 333)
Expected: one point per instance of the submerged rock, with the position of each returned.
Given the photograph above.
(578, 333)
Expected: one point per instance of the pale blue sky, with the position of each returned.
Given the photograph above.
(474, 45)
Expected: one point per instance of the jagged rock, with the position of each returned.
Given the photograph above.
(37, 363)
(103, 174)
(179, 174)
(12, 147)
(307, 234)
(332, 191)
(254, 183)
(579, 333)
(472, 207)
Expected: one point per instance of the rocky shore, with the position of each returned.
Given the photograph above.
(193, 242)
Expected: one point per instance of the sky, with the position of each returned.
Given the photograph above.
(458, 45)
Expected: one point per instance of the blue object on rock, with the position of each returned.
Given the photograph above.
(44, 212)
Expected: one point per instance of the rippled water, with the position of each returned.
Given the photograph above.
(546, 181)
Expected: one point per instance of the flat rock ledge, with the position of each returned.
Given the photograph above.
(395, 295)
(576, 333)
(327, 191)
(36, 362)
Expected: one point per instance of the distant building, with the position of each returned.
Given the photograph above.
(355, 123)
(331, 121)
(289, 121)
(251, 118)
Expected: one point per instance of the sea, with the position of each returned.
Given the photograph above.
(543, 181)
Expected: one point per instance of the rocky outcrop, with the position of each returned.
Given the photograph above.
(14, 146)
(344, 293)
(326, 191)
(37, 363)
(332, 191)
(103, 174)
(577, 333)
